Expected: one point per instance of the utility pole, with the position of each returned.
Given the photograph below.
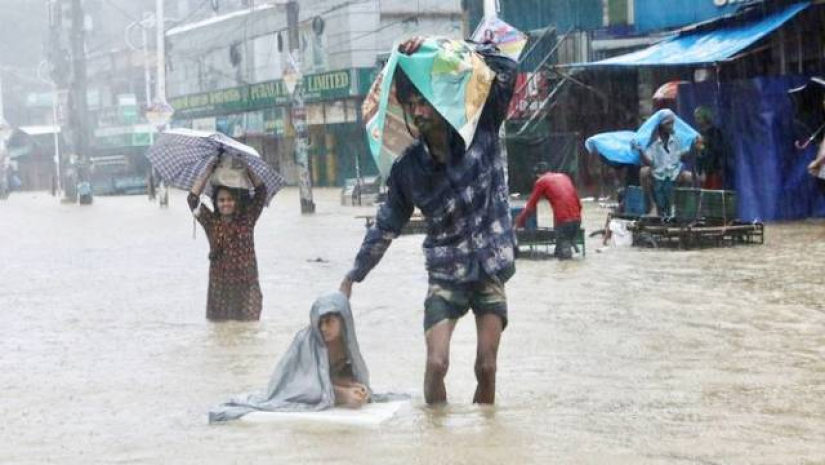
(5, 133)
(58, 73)
(491, 11)
(160, 40)
(298, 109)
(147, 73)
(79, 110)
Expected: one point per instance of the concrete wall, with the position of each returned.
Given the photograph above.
(354, 34)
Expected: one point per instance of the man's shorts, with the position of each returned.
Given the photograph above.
(451, 302)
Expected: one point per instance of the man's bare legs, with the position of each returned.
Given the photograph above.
(438, 361)
(488, 327)
(646, 180)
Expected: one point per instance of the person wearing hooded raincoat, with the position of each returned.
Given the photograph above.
(663, 142)
(302, 380)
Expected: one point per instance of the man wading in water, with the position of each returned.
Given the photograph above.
(462, 193)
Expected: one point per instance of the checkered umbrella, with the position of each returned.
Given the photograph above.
(182, 157)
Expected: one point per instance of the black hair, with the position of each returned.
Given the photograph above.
(541, 168)
(405, 90)
(241, 196)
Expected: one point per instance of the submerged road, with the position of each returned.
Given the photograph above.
(629, 356)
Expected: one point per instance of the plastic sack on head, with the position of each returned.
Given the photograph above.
(684, 132)
(508, 39)
(448, 73)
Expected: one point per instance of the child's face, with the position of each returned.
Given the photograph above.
(331, 327)
(226, 202)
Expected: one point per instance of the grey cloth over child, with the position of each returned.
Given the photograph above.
(301, 381)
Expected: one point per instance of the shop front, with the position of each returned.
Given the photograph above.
(258, 115)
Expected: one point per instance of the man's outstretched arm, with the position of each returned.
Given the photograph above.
(530, 208)
(390, 219)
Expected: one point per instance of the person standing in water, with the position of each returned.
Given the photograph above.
(462, 193)
(234, 292)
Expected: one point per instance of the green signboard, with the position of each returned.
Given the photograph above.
(332, 85)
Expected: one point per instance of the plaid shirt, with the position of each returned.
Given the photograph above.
(464, 202)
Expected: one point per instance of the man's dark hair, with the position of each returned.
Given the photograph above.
(541, 168)
(404, 88)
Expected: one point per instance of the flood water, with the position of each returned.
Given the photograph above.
(627, 356)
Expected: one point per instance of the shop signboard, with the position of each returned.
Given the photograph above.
(665, 14)
(333, 85)
(123, 136)
(127, 108)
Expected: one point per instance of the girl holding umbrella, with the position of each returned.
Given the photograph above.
(234, 292)
(223, 168)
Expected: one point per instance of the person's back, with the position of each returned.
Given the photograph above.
(559, 190)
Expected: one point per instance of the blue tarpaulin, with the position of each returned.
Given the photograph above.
(695, 48)
(767, 172)
(616, 147)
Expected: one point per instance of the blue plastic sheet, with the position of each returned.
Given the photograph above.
(691, 48)
(616, 147)
(684, 132)
(767, 172)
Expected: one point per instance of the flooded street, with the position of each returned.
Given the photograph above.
(627, 356)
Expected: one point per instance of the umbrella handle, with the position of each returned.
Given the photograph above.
(804, 145)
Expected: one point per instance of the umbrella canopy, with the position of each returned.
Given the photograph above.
(183, 156)
(668, 90)
(808, 105)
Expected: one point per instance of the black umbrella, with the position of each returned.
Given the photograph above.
(809, 103)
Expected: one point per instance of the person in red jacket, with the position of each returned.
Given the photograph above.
(559, 190)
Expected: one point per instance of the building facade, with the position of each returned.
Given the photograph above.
(225, 73)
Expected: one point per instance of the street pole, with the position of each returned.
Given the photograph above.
(79, 121)
(299, 118)
(55, 127)
(160, 39)
(160, 92)
(491, 11)
(57, 183)
(2, 108)
(58, 77)
(4, 129)
(147, 74)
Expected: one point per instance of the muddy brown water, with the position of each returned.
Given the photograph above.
(627, 356)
